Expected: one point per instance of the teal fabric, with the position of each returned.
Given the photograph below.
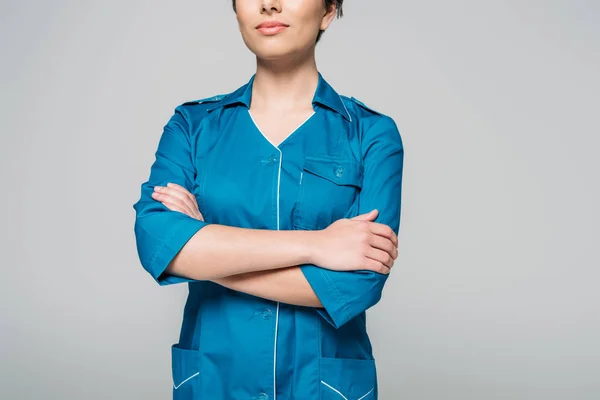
(344, 160)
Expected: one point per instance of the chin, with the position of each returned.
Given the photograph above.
(273, 51)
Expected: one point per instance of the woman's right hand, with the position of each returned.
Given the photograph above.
(351, 244)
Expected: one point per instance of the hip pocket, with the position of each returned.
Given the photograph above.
(327, 189)
(185, 367)
(347, 379)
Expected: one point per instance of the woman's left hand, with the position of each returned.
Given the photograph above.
(177, 198)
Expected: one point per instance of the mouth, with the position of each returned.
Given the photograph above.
(271, 27)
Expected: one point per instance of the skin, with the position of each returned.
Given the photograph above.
(286, 74)
(264, 263)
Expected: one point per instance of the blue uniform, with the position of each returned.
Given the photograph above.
(345, 159)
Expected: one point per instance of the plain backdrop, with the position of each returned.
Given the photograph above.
(495, 292)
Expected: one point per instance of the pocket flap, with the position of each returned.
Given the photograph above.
(347, 378)
(341, 171)
(185, 365)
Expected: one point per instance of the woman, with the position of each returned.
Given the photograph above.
(279, 205)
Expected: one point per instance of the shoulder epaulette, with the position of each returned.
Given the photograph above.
(363, 105)
(212, 99)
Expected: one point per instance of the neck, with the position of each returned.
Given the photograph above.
(285, 84)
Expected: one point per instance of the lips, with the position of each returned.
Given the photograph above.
(271, 27)
(271, 24)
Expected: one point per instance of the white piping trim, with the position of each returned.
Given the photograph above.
(185, 380)
(334, 389)
(275, 354)
(277, 312)
(349, 116)
(365, 395)
(285, 138)
(278, 184)
(340, 393)
(278, 218)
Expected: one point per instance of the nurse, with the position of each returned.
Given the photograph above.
(278, 204)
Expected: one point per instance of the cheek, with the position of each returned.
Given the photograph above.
(246, 37)
(308, 28)
(245, 18)
(250, 37)
(308, 33)
(309, 14)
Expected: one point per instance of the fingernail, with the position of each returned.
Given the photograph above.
(157, 188)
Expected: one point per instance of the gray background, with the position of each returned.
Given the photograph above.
(495, 292)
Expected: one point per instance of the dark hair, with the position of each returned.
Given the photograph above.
(328, 3)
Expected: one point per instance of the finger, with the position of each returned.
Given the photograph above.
(183, 195)
(385, 244)
(382, 256)
(385, 231)
(376, 266)
(174, 207)
(177, 196)
(371, 215)
(183, 190)
(168, 198)
(177, 205)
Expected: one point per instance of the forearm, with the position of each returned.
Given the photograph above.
(287, 285)
(218, 251)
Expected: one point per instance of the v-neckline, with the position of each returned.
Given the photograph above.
(285, 139)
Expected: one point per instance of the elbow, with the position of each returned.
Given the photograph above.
(353, 301)
(148, 248)
(160, 237)
(190, 263)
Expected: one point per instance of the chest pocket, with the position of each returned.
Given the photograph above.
(327, 189)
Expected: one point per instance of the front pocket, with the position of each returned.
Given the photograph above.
(185, 367)
(327, 189)
(347, 379)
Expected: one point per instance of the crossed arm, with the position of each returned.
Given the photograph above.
(287, 285)
(309, 268)
(265, 263)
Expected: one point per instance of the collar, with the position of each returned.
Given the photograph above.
(328, 97)
(324, 95)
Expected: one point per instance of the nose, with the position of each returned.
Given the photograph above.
(270, 7)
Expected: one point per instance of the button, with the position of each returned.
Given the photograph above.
(265, 313)
(271, 159)
(261, 396)
(339, 172)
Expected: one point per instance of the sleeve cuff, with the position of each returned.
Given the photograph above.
(164, 254)
(335, 310)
